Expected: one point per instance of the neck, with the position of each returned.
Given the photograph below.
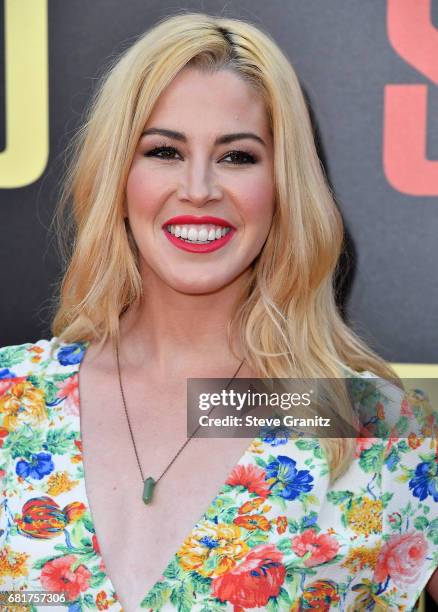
(170, 331)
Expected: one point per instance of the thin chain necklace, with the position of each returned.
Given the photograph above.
(149, 482)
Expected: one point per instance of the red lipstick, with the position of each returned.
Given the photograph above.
(192, 247)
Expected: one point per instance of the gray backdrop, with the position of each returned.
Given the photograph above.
(345, 59)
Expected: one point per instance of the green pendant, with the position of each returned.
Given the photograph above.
(148, 490)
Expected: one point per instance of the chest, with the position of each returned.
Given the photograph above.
(136, 540)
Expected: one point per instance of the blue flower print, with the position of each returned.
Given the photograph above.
(425, 481)
(290, 481)
(39, 466)
(6, 373)
(71, 354)
(275, 435)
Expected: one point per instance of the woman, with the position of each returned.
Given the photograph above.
(206, 245)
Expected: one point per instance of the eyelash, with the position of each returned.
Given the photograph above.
(154, 153)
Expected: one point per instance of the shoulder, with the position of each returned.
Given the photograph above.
(33, 357)
(34, 377)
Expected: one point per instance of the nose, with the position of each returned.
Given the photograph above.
(199, 185)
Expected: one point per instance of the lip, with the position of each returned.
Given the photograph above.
(199, 248)
(191, 220)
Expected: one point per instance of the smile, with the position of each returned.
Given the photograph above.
(198, 234)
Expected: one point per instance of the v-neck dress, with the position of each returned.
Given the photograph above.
(277, 536)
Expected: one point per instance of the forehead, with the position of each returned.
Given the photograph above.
(217, 101)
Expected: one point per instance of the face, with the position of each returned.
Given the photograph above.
(200, 191)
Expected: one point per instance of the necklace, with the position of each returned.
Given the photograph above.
(149, 482)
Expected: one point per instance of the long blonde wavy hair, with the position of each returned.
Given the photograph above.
(286, 317)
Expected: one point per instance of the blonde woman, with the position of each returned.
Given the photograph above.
(205, 245)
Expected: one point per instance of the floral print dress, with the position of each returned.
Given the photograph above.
(276, 537)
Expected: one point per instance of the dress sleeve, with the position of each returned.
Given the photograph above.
(409, 555)
(22, 408)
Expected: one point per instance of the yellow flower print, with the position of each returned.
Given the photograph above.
(25, 402)
(13, 564)
(256, 447)
(365, 516)
(362, 556)
(212, 550)
(60, 482)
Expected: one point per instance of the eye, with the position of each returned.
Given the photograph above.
(242, 157)
(168, 152)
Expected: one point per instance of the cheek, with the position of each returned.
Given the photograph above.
(257, 204)
(143, 191)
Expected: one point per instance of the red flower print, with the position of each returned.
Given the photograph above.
(74, 511)
(7, 383)
(102, 602)
(69, 389)
(317, 596)
(281, 524)
(252, 522)
(406, 409)
(95, 544)
(322, 547)
(257, 578)
(414, 441)
(401, 558)
(251, 505)
(57, 575)
(3, 433)
(251, 477)
(363, 444)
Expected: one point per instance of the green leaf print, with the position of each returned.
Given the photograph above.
(87, 522)
(182, 597)
(201, 584)
(61, 441)
(173, 571)
(157, 597)
(213, 605)
(283, 598)
(260, 462)
(23, 442)
(371, 459)
(41, 562)
(97, 579)
(272, 605)
(339, 497)
(421, 523)
(11, 355)
(284, 545)
(306, 444)
(293, 525)
(257, 537)
(432, 531)
(89, 601)
(386, 498)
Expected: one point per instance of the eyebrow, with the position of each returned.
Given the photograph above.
(225, 139)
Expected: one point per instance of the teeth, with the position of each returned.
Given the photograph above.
(199, 234)
(193, 234)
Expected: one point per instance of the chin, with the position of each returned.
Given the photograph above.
(198, 287)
